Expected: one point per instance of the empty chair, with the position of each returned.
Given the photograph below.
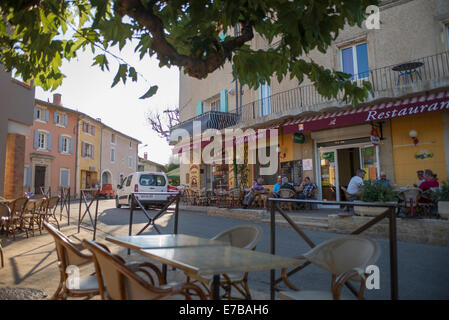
(31, 214)
(345, 258)
(247, 237)
(411, 197)
(49, 210)
(69, 254)
(14, 221)
(119, 282)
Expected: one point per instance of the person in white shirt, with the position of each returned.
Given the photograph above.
(355, 185)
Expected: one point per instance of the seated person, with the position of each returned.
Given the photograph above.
(420, 174)
(355, 185)
(307, 188)
(429, 182)
(286, 185)
(276, 187)
(256, 189)
(383, 180)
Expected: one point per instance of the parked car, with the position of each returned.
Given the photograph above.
(142, 182)
(106, 191)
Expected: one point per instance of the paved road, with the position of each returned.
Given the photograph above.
(422, 268)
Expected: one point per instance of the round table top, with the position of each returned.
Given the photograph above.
(407, 66)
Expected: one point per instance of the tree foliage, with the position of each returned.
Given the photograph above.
(199, 36)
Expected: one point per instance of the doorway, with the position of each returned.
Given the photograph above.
(338, 164)
(39, 178)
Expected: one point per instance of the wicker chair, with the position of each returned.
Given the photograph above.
(286, 194)
(119, 282)
(345, 258)
(15, 221)
(49, 210)
(247, 236)
(31, 214)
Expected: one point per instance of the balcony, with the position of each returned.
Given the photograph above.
(209, 120)
(396, 81)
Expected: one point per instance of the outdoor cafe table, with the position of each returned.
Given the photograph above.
(203, 261)
(199, 257)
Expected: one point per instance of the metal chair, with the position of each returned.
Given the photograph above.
(116, 281)
(346, 258)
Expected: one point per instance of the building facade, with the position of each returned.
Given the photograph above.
(50, 152)
(147, 165)
(119, 156)
(407, 62)
(16, 105)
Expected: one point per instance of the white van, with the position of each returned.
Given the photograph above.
(142, 182)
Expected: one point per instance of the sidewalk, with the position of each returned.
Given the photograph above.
(31, 271)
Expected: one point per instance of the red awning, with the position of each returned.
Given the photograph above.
(378, 112)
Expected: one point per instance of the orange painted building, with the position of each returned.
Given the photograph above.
(50, 148)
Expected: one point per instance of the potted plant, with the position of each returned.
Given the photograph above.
(372, 191)
(442, 196)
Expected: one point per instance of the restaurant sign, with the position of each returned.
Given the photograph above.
(384, 111)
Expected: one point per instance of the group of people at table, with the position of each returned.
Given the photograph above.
(427, 180)
(304, 191)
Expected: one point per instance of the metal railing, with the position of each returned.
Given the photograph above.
(382, 79)
(389, 214)
(209, 120)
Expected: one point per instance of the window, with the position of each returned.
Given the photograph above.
(41, 114)
(130, 145)
(130, 162)
(87, 150)
(65, 144)
(112, 155)
(113, 138)
(148, 180)
(215, 105)
(64, 178)
(42, 140)
(354, 61)
(60, 119)
(88, 128)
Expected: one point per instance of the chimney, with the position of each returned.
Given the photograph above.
(145, 155)
(57, 99)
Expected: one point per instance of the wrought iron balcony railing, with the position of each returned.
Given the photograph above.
(209, 120)
(399, 76)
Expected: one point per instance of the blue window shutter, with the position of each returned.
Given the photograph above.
(199, 108)
(71, 145)
(49, 142)
(362, 60)
(224, 100)
(47, 115)
(35, 113)
(64, 178)
(93, 152)
(54, 117)
(36, 139)
(28, 177)
(348, 61)
(65, 120)
(59, 144)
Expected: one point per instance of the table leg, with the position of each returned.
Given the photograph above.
(164, 273)
(216, 287)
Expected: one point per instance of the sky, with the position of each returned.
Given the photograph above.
(88, 90)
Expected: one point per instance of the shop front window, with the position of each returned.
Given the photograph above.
(328, 181)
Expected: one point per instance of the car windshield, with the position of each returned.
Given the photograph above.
(147, 180)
